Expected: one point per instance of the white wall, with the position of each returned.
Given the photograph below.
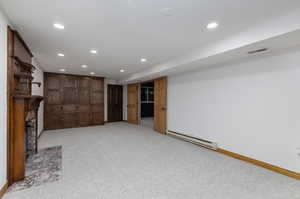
(251, 107)
(3, 98)
(38, 76)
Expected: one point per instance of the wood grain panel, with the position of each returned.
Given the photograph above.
(21, 50)
(132, 103)
(97, 101)
(160, 104)
(53, 82)
(54, 97)
(18, 140)
(97, 118)
(53, 121)
(83, 96)
(84, 118)
(53, 108)
(69, 120)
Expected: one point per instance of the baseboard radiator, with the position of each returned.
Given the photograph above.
(203, 143)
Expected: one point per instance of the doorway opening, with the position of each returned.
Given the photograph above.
(147, 104)
(115, 103)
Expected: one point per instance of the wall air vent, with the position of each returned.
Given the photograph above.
(258, 51)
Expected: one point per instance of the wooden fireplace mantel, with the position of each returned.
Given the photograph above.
(22, 106)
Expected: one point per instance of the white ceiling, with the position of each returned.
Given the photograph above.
(123, 31)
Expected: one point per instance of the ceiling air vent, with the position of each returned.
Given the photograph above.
(258, 51)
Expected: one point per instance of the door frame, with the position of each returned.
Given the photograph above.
(10, 51)
(140, 103)
(107, 100)
(140, 100)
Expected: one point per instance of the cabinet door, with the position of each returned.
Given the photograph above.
(53, 100)
(69, 116)
(70, 101)
(70, 94)
(84, 116)
(97, 101)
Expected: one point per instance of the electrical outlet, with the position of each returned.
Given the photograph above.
(298, 151)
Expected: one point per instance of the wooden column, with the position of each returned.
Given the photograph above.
(18, 152)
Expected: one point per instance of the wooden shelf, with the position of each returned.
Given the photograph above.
(26, 66)
(23, 75)
(28, 96)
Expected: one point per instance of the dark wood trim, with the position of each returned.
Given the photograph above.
(3, 190)
(28, 66)
(92, 77)
(265, 165)
(10, 52)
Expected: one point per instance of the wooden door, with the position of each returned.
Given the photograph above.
(53, 102)
(97, 101)
(83, 109)
(132, 103)
(114, 103)
(160, 102)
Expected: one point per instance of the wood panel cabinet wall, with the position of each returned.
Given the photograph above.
(73, 101)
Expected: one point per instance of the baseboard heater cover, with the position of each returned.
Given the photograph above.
(201, 142)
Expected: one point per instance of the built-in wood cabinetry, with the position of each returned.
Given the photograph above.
(73, 101)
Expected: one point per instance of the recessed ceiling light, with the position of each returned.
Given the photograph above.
(212, 25)
(92, 73)
(62, 70)
(59, 26)
(94, 51)
(60, 55)
(167, 12)
(84, 66)
(258, 51)
(122, 70)
(143, 60)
